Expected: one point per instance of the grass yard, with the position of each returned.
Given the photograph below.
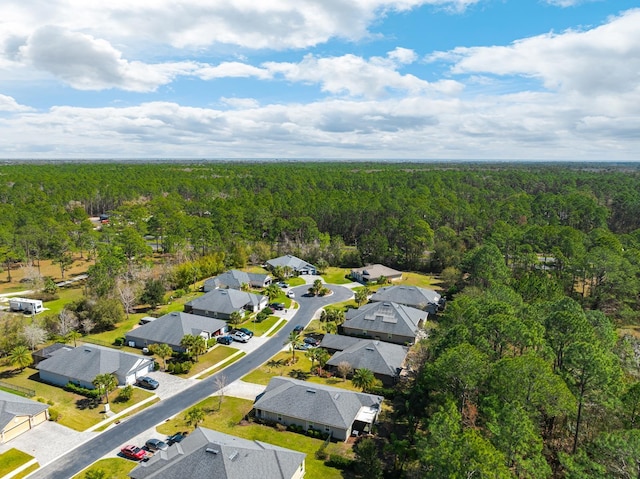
(295, 281)
(11, 460)
(277, 328)
(223, 365)
(260, 328)
(27, 471)
(337, 276)
(114, 468)
(76, 412)
(219, 353)
(47, 268)
(228, 420)
(418, 279)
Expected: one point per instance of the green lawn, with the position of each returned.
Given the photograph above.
(260, 328)
(421, 280)
(219, 353)
(115, 468)
(277, 328)
(11, 460)
(76, 412)
(65, 296)
(223, 365)
(337, 276)
(295, 281)
(228, 418)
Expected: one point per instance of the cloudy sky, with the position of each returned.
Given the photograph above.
(395, 79)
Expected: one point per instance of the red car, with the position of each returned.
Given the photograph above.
(133, 452)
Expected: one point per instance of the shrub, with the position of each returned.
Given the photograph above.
(339, 462)
(90, 393)
(119, 341)
(280, 427)
(54, 414)
(125, 393)
(179, 293)
(321, 455)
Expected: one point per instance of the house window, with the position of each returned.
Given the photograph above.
(326, 429)
(279, 417)
(389, 336)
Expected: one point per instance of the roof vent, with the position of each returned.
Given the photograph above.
(336, 396)
(234, 455)
(311, 391)
(386, 304)
(210, 450)
(369, 348)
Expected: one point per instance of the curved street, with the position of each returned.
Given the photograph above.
(87, 453)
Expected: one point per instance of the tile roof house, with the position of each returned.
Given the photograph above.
(82, 364)
(206, 454)
(385, 321)
(296, 264)
(234, 279)
(171, 328)
(330, 410)
(19, 414)
(221, 303)
(421, 298)
(385, 360)
(373, 273)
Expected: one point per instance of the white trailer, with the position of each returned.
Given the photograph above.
(29, 306)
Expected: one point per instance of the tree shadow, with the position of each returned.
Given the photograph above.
(87, 403)
(299, 374)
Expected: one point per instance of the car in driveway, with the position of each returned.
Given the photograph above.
(303, 346)
(133, 452)
(291, 294)
(241, 337)
(246, 331)
(283, 284)
(311, 341)
(147, 383)
(177, 437)
(156, 445)
(224, 340)
(277, 306)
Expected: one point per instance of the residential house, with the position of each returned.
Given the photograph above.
(374, 272)
(46, 352)
(19, 414)
(386, 321)
(385, 360)
(297, 265)
(337, 342)
(420, 298)
(81, 365)
(235, 279)
(330, 410)
(171, 328)
(222, 303)
(205, 454)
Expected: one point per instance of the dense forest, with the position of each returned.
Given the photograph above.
(530, 372)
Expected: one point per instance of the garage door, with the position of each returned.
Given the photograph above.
(15, 428)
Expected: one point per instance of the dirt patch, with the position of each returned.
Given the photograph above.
(47, 268)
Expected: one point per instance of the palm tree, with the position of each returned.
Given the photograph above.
(20, 356)
(105, 383)
(194, 416)
(363, 378)
(163, 351)
(235, 317)
(312, 355)
(316, 288)
(187, 342)
(362, 295)
(73, 335)
(199, 346)
(272, 291)
(322, 356)
(294, 341)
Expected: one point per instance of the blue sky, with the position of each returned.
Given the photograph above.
(374, 79)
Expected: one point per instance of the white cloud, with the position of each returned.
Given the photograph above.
(605, 59)
(232, 70)
(8, 103)
(353, 75)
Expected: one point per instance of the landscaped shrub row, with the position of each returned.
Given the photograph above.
(90, 393)
(339, 462)
(179, 368)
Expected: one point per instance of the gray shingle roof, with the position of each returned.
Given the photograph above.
(314, 402)
(85, 362)
(225, 300)
(172, 327)
(374, 271)
(291, 261)
(338, 341)
(235, 279)
(385, 318)
(207, 454)
(414, 296)
(377, 356)
(12, 405)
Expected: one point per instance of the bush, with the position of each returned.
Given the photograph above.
(90, 393)
(179, 293)
(119, 341)
(125, 393)
(339, 462)
(321, 455)
(387, 393)
(54, 414)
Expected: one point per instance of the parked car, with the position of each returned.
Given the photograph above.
(311, 341)
(224, 340)
(291, 294)
(133, 452)
(299, 328)
(177, 437)
(246, 331)
(156, 445)
(240, 336)
(277, 306)
(304, 346)
(283, 285)
(147, 383)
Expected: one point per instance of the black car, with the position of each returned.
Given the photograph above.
(246, 331)
(156, 445)
(147, 383)
(224, 340)
(311, 341)
(277, 306)
(299, 328)
(177, 437)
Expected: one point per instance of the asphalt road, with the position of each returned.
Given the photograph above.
(84, 455)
